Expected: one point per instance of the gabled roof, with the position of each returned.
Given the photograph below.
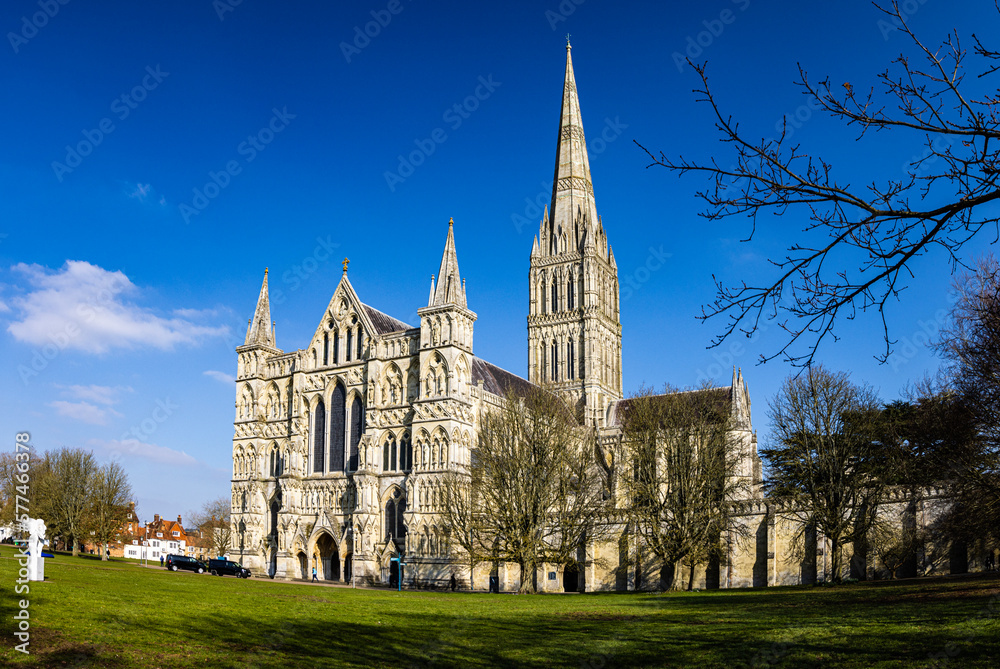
(384, 323)
(723, 397)
(497, 381)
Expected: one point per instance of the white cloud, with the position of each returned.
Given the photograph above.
(84, 412)
(219, 376)
(134, 448)
(99, 394)
(84, 307)
(3, 307)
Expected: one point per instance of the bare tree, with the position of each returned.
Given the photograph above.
(685, 474)
(215, 520)
(857, 250)
(65, 492)
(109, 504)
(824, 457)
(465, 518)
(535, 481)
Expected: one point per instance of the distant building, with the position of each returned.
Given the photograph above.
(160, 537)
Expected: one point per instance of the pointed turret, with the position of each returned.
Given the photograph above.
(450, 288)
(260, 331)
(572, 189)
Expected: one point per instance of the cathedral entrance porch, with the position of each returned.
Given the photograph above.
(329, 558)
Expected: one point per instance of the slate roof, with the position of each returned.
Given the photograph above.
(722, 396)
(497, 381)
(384, 323)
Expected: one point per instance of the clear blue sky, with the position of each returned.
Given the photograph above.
(126, 306)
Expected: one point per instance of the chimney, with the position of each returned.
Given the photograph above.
(156, 519)
(179, 519)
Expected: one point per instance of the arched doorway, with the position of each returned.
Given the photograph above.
(329, 557)
(303, 565)
(571, 578)
(394, 574)
(348, 567)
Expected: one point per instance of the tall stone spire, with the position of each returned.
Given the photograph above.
(259, 332)
(573, 212)
(450, 289)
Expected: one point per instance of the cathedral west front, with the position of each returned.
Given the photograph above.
(340, 447)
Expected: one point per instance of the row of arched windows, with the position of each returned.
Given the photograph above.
(550, 355)
(331, 440)
(397, 458)
(549, 292)
(332, 348)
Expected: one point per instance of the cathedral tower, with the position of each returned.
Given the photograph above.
(574, 331)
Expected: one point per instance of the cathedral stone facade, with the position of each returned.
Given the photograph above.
(340, 448)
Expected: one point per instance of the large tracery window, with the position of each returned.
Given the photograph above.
(569, 294)
(570, 367)
(555, 361)
(319, 437)
(357, 428)
(338, 417)
(395, 526)
(555, 296)
(350, 341)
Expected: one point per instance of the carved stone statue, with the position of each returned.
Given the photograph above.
(35, 527)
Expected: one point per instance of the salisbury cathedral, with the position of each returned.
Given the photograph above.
(340, 448)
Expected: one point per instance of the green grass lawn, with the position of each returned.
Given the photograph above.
(118, 614)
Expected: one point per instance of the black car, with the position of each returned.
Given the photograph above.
(175, 562)
(220, 567)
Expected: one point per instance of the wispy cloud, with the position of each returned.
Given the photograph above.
(85, 412)
(99, 394)
(219, 376)
(144, 193)
(3, 307)
(133, 448)
(86, 307)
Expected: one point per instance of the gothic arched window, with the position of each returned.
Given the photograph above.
(385, 455)
(338, 419)
(555, 296)
(395, 526)
(405, 454)
(361, 339)
(357, 427)
(555, 361)
(336, 347)
(350, 344)
(326, 349)
(569, 294)
(319, 437)
(570, 369)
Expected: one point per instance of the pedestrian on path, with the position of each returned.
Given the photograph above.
(314, 574)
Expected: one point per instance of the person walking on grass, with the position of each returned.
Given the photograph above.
(161, 560)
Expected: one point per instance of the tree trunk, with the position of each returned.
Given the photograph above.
(104, 553)
(835, 558)
(527, 577)
(76, 546)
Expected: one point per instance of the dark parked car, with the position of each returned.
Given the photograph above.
(221, 567)
(175, 562)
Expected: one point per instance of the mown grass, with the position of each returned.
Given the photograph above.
(93, 614)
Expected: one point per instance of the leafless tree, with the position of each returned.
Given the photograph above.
(684, 477)
(110, 494)
(465, 518)
(824, 458)
(65, 492)
(857, 249)
(215, 520)
(535, 481)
